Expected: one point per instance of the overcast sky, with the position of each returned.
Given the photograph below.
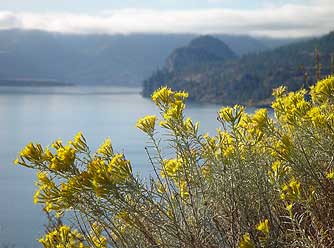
(275, 18)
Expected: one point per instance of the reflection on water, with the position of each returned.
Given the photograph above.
(45, 114)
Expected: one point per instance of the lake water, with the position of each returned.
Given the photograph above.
(45, 114)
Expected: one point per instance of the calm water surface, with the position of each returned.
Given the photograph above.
(45, 114)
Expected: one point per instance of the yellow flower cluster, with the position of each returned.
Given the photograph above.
(79, 142)
(98, 240)
(232, 115)
(260, 118)
(32, 152)
(278, 171)
(106, 149)
(246, 241)
(225, 145)
(165, 96)
(147, 124)
(103, 176)
(291, 191)
(63, 237)
(286, 162)
(119, 168)
(171, 168)
(323, 91)
(63, 159)
(290, 108)
(171, 103)
(330, 174)
(263, 227)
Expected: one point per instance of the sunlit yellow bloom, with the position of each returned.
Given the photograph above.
(98, 239)
(62, 237)
(246, 241)
(43, 178)
(174, 111)
(289, 207)
(330, 175)
(316, 116)
(57, 144)
(79, 142)
(232, 115)
(162, 96)
(190, 126)
(260, 117)
(36, 196)
(279, 92)
(228, 151)
(106, 148)
(181, 95)
(32, 152)
(263, 227)
(171, 167)
(119, 168)
(64, 159)
(147, 124)
(47, 155)
(226, 114)
(291, 191)
(323, 90)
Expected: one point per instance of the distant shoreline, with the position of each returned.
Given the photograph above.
(31, 83)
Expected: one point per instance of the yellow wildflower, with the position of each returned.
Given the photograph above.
(79, 142)
(64, 159)
(98, 239)
(246, 241)
(181, 95)
(36, 196)
(32, 152)
(174, 111)
(119, 168)
(263, 227)
(62, 237)
(106, 148)
(171, 167)
(279, 92)
(260, 118)
(232, 115)
(147, 124)
(291, 191)
(57, 144)
(162, 96)
(330, 174)
(323, 90)
(316, 116)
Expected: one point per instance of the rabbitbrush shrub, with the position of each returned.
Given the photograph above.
(259, 182)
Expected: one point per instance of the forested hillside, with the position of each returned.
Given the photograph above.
(251, 78)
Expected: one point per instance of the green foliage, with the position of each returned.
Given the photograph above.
(259, 182)
(250, 79)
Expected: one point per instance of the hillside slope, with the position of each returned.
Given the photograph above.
(250, 79)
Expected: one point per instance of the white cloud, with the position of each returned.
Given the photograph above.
(289, 20)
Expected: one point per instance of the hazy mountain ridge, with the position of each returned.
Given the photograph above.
(251, 78)
(96, 59)
(201, 51)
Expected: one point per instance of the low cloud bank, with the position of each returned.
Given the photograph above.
(289, 20)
